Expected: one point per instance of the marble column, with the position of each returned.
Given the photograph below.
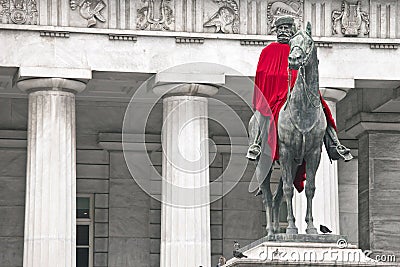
(326, 199)
(50, 206)
(185, 208)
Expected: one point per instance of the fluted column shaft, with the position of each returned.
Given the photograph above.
(185, 223)
(326, 201)
(50, 207)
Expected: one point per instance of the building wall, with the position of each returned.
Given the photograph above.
(12, 199)
(371, 116)
(348, 199)
(12, 184)
(378, 192)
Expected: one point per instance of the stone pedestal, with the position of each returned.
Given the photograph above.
(50, 207)
(326, 200)
(185, 208)
(302, 250)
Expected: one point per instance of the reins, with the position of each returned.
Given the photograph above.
(307, 91)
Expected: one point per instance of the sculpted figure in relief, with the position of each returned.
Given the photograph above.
(148, 19)
(18, 11)
(278, 9)
(351, 18)
(89, 10)
(226, 19)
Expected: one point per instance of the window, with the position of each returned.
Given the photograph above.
(84, 231)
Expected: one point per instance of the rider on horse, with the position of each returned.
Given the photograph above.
(270, 92)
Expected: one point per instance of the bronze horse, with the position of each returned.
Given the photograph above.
(301, 128)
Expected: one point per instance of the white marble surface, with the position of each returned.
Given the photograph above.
(185, 209)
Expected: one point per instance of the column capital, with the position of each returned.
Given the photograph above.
(185, 89)
(187, 83)
(55, 84)
(30, 79)
(333, 94)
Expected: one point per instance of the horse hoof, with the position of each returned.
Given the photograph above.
(270, 232)
(292, 231)
(312, 231)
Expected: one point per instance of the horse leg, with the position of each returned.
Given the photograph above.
(278, 200)
(263, 174)
(288, 177)
(312, 163)
(267, 200)
(276, 204)
(258, 130)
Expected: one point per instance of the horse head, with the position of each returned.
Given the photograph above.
(301, 48)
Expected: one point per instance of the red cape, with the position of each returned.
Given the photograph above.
(270, 92)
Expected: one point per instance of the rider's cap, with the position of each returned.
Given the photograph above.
(284, 20)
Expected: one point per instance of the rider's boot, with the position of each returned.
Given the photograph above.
(333, 146)
(254, 149)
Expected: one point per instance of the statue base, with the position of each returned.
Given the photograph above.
(302, 250)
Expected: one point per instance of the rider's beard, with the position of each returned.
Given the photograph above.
(283, 37)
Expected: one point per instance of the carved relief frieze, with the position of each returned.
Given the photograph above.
(350, 17)
(19, 12)
(89, 10)
(155, 15)
(278, 9)
(226, 18)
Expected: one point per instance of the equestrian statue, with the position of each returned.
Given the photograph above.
(287, 87)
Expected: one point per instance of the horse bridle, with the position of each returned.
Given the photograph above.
(302, 74)
(307, 55)
(304, 63)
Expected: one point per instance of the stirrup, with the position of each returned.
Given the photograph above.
(344, 153)
(253, 152)
(259, 192)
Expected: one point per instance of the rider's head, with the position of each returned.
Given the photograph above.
(284, 28)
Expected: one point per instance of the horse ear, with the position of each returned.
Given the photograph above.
(295, 29)
(308, 29)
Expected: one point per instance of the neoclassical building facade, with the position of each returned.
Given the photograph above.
(107, 107)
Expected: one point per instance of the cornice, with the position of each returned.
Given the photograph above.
(243, 38)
